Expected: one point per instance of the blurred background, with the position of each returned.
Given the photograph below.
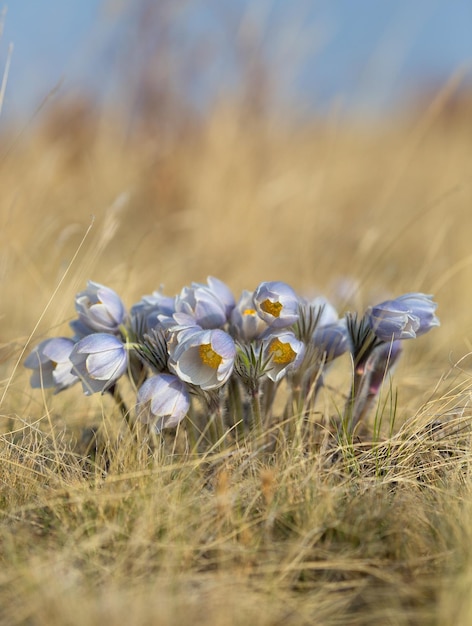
(325, 143)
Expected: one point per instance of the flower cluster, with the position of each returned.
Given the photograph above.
(232, 354)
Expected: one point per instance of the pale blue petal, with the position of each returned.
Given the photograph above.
(98, 342)
(112, 302)
(58, 349)
(107, 365)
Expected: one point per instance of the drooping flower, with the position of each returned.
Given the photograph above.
(163, 401)
(99, 360)
(246, 323)
(51, 365)
(202, 357)
(277, 304)
(285, 351)
(100, 308)
(405, 317)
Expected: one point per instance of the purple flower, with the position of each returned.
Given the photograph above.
(200, 305)
(80, 329)
(163, 401)
(277, 304)
(50, 364)
(331, 339)
(323, 311)
(222, 292)
(99, 360)
(405, 317)
(285, 351)
(100, 308)
(152, 312)
(246, 323)
(202, 357)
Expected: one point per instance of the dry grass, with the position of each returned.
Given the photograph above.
(328, 534)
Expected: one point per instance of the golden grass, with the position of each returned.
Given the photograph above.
(328, 534)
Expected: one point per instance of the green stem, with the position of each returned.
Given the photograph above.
(216, 424)
(236, 407)
(358, 403)
(267, 391)
(256, 411)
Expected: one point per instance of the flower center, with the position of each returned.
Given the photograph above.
(281, 352)
(249, 312)
(273, 308)
(209, 356)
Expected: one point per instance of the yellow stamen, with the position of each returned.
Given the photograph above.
(281, 352)
(249, 312)
(273, 308)
(209, 356)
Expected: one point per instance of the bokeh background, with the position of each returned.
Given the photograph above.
(326, 144)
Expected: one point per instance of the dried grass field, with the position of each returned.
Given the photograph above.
(377, 532)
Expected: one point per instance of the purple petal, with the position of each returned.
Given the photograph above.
(98, 342)
(59, 349)
(107, 365)
(112, 302)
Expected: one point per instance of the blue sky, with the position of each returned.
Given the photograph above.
(368, 54)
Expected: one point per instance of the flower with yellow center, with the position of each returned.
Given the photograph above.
(282, 353)
(245, 322)
(272, 308)
(285, 352)
(277, 304)
(202, 357)
(209, 356)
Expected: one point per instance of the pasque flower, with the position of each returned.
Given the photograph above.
(99, 360)
(325, 313)
(277, 304)
(208, 306)
(202, 357)
(197, 341)
(222, 292)
(163, 401)
(331, 339)
(146, 314)
(405, 317)
(51, 365)
(285, 351)
(312, 315)
(246, 323)
(100, 308)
